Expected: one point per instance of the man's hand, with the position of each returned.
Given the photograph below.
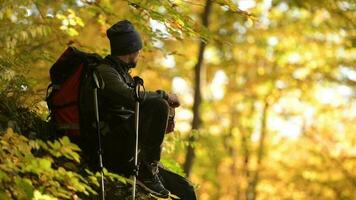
(171, 121)
(173, 100)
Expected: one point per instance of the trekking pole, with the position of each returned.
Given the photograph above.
(138, 82)
(97, 120)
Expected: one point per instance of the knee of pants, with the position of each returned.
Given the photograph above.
(157, 105)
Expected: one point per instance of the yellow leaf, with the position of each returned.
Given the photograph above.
(72, 32)
(9, 132)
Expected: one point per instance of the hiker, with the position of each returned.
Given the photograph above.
(117, 116)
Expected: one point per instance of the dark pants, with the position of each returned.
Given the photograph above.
(119, 144)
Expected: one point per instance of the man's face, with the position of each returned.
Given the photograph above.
(133, 59)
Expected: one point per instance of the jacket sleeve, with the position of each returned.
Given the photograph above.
(117, 91)
(156, 94)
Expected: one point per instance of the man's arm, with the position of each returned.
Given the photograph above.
(172, 99)
(115, 90)
(118, 91)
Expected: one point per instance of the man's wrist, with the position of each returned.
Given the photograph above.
(163, 94)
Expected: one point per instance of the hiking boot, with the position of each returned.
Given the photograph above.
(148, 179)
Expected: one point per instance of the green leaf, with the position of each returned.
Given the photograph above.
(3, 195)
(24, 188)
(39, 196)
(45, 164)
(113, 176)
(173, 166)
(3, 176)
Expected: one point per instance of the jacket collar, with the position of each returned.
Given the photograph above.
(119, 64)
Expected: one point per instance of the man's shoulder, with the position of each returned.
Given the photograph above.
(106, 65)
(108, 71)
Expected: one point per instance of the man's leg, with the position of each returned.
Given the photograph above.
(118, 148)
(119, 145)
(153, 121)
(153, 124)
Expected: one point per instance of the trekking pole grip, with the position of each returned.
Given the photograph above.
(138, 85)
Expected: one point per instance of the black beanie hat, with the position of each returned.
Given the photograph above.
(124, 39)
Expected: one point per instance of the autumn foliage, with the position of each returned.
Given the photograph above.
(271, 116)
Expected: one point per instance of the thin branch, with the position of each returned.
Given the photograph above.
(43, 18)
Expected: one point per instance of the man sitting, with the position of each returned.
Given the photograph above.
(117, 104)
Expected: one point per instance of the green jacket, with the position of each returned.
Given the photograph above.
(116, 101)
(117, 98)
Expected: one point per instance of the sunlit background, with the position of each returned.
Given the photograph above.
(277, 114)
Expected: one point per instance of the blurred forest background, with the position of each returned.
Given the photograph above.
(267, 87)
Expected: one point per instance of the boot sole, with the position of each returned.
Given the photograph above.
(154, 193)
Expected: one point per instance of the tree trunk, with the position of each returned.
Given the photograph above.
(252, 187)
(245, 137)
(197, 93)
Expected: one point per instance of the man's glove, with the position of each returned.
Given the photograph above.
(171, 122)
(173, 100)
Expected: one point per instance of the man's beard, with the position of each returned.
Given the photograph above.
(132, 64)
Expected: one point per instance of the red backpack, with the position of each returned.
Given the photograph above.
(62, 97)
